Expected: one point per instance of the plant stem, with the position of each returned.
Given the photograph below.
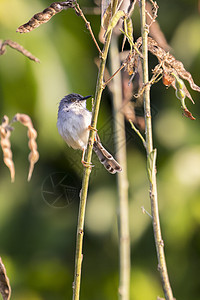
(85, 183)
(149, 148)
(88, 26)
(120, 142)
(138, 133)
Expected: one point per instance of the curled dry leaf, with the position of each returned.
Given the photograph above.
(169, 65)
(5, 132)
(5, 288)
(17, 47)
(45, 15)
(32, 135)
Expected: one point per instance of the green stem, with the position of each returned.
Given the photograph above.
(120, 141)
(149, 148)
(138, 133)
(85, 183)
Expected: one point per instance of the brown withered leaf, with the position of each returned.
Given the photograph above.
(17, 47)
(45, 15)
(5, 288)
(170, 65)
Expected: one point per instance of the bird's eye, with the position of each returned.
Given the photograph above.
(73, 99)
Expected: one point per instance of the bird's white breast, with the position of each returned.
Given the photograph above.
(73, 126)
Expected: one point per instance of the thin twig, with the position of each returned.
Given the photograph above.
(157, 75)
(128, 15)
(146, 212)
(149, 149)
(138, 133)
(155, 11)
(131, 8)
(132, 43)
(116, 72)
(85, 183)
(124, 64)
(88, 26)
(120, 142)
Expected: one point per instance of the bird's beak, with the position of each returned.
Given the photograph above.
(84, 98)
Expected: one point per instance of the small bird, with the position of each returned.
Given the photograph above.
(74, 125)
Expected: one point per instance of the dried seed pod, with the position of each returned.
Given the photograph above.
(5, 132)
(17, 47)
(167, 80)
(44, 16)
(188, 114)
(180, 94)
(179, 84)
(34, 155)
(32, 135)
(5, 288)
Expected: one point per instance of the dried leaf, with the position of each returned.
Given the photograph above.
(17, 47)
(5, 288)
(170, 65)
(5, 132)
(45, 15)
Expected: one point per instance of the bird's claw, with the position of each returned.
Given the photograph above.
(92, 128)
(86, 164)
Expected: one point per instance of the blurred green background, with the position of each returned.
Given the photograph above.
(37, 234)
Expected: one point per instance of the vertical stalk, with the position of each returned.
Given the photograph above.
(120, 142)
(149, 148)
(85, 183)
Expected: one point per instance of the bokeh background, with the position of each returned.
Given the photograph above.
(37, 232)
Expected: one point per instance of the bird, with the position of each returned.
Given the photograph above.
(74, 125)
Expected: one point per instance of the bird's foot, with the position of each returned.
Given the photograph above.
(92, 128)
(86, 164)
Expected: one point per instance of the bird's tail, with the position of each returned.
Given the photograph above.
(111, 165)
